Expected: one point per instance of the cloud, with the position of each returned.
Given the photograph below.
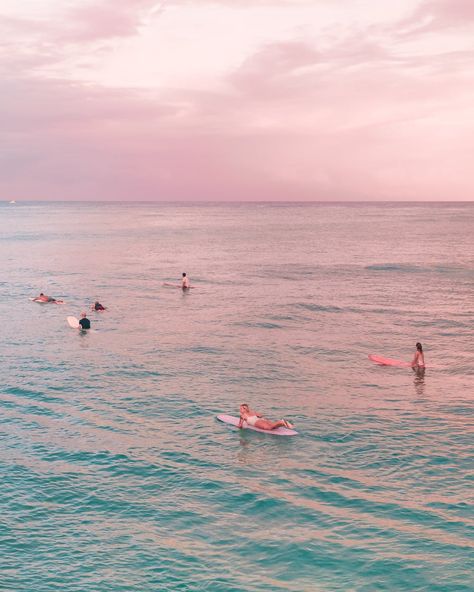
(293, 122)
(438, 15)
(106, 19)
(84, 143)
(272, 64)
(83, 23)
(357, 115)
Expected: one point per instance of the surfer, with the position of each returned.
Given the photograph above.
(97, 306)
(185, 282)
(84, 322)
(43, 298)
(419, 359)
(258, 421)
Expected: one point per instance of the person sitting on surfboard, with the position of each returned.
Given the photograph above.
(256, 420)
(97, 306)
(43, 298)
(84, 322)
(419, 359)
(185, 282)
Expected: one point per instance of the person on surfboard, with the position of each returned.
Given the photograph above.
(254, 419)
(43, 298)
(97, 306)
(185, 282)
(419, 359)
(84, 322)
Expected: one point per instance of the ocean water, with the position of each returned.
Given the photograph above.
(116, 475)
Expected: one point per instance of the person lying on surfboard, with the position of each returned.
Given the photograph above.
(97, 306)
(185, 282)
(256, 420)
(419, 359)
(43, 298)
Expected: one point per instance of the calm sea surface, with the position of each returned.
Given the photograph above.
(115, 474)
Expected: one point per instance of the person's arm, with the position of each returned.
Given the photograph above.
(241, 423)
(415, 360)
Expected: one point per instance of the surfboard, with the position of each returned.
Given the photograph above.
(168, 285)
(47, 301)
(73, 322)
(234, 421)
(388, 361)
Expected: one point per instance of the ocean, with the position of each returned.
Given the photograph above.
(116, 476)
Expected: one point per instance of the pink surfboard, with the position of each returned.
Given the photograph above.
(234, 421)
(168, 285)
(388, 361)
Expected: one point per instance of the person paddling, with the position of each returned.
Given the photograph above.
(43, 298)
(97, 306)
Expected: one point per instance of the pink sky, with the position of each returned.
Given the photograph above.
(237, 100)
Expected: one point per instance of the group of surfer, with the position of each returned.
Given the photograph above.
(247, 415)
(84, 322)
(43, 298)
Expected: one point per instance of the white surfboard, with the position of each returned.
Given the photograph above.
(234, 421)
(73, 322)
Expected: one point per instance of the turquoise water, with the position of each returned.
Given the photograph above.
(116, 475)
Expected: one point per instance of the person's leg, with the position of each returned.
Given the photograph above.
(265, 424)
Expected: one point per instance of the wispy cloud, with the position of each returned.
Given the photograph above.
(107, 19)
(438, 15)
(362, 112)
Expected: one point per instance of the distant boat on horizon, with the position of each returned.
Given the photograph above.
(12, 201)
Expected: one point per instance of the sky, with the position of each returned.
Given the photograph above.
(237, 100)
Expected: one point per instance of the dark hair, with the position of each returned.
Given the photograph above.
(41, 294)
(418, 347)
(184, 275)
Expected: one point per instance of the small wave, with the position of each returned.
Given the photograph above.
(408, 268)
(323, 308)
(261, 325)
(397, 267)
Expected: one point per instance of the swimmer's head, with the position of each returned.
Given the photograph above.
(184, 275)
(419, 347)
(83, 315)
(244, 407)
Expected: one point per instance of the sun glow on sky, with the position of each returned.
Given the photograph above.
(237, 99)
